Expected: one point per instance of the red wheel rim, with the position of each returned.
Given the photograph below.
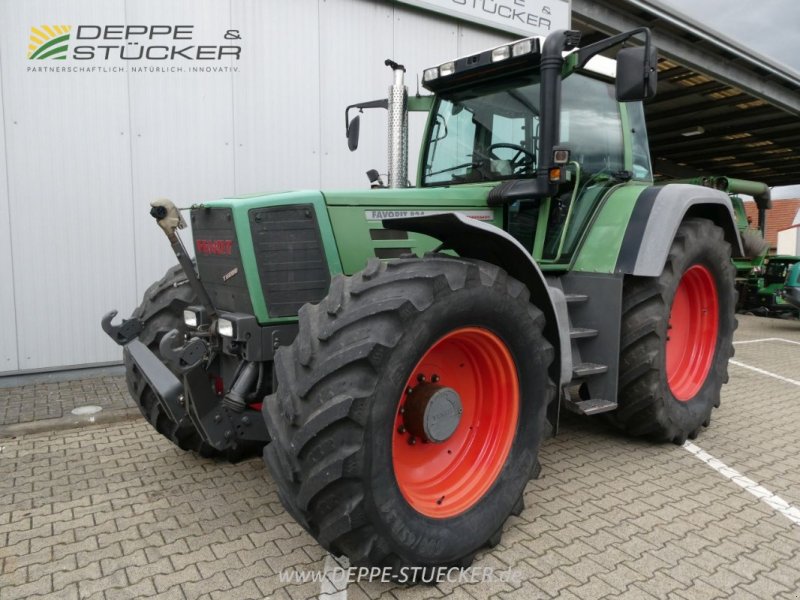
(445, 479)
(692, 334)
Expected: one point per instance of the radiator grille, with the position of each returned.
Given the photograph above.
(290, 257)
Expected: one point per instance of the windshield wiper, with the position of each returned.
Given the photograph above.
(474, 165)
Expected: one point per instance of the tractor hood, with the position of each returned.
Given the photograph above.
(439, 197)
(316, 233)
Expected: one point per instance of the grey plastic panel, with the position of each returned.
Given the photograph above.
(670, 206)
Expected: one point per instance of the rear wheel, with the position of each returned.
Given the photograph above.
(677, 337)
(161, 311)
(409, 411)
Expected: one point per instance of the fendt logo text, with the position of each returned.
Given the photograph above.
(214, 247)
(49, 41)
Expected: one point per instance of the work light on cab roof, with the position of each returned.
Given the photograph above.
(507, 54)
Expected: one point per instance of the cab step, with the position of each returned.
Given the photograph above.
(582, 332)
(590, 407)
(588, 369)
(576, 298)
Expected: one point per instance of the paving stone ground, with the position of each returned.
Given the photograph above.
(117, 512)
(43, 401)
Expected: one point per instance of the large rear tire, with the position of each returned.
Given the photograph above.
(351, 460)
(161, 311)
(677, 337)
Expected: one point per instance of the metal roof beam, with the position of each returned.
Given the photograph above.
(686, 92)
(670, 168)
(742, 121)
(765, 128)
(614, 17)
(717, 145)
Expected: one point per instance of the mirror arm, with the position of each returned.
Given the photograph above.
(383, 103)
(585, 54)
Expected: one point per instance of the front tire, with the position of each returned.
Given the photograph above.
(677, 337)
(351, 465)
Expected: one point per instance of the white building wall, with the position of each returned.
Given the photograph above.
(82, 155)
(8, 316)
(789, 242)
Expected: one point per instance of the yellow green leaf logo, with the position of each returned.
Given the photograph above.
(49, 41)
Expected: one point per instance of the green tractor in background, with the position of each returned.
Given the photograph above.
(763, 282)
(791, 289)
(755, 249)
(401, 353)
(772, 287)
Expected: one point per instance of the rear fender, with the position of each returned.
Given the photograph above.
(471, 238)
(658, 213)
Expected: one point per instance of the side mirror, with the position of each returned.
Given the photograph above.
(637, 76)
(352, 133)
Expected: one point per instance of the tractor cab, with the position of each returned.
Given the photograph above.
(555, 134)
(490, 131)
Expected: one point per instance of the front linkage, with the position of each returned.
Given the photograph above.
(184, 370)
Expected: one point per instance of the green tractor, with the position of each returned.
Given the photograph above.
(770, 288)
(754, 247)
(400, 353)
(791, 289)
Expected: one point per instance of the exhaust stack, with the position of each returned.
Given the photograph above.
(398, 127)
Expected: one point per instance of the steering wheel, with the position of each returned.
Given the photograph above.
(522, 158)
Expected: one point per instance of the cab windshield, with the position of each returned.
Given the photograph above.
(491, 132)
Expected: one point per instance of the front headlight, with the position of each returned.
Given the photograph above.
(190, 318)
(196, 317)
(225, 328)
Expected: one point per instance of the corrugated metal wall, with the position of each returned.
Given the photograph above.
(84, 154)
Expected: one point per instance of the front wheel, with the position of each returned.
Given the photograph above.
(409, 412)
(677, 337)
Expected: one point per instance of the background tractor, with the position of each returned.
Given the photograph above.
(769, 287)
(791, 290)
(401, 352)
(754, 247)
